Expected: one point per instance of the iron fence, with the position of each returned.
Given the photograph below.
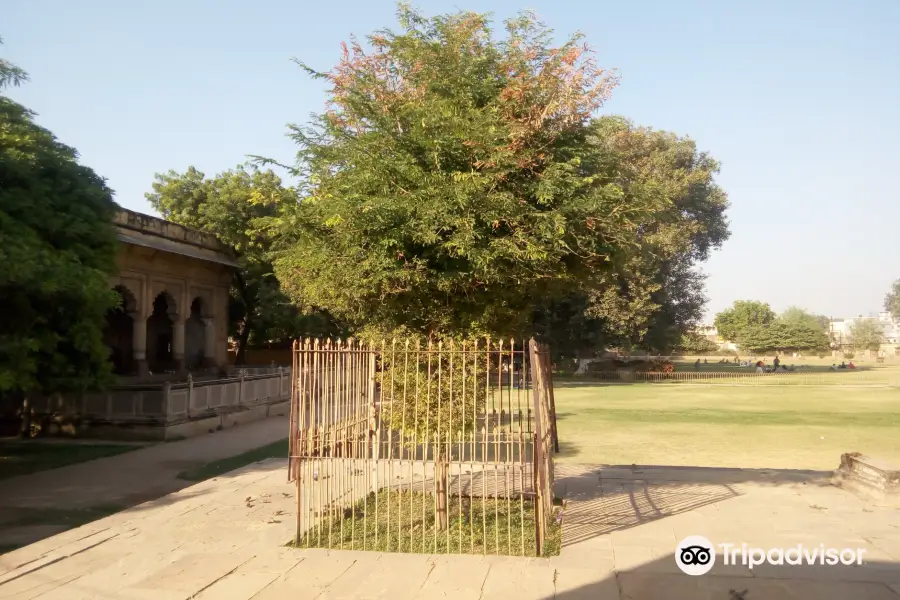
(435, 447)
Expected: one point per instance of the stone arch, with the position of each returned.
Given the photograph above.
(118, 333)
(160, 333)
(195, 350)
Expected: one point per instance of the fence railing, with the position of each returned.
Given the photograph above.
(167, 402)
(403, 446)
(857, 377)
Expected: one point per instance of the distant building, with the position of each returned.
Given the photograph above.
(839, 329)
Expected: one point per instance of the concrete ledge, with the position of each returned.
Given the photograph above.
(871, 478)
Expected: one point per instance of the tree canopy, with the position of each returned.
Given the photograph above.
(230, 206)
(892, 300)
(795, 314)
(732, 322)
(57, 250)
(783, 336)
(866, 334)
(457, 183)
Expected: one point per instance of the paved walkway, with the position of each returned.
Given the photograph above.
(120, 481)
(224, 539)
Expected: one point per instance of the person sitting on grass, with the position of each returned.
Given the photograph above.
(697, 365)
(843, 365)
(851, 365)
(833, 367)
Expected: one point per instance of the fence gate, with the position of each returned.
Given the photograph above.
(423, 447)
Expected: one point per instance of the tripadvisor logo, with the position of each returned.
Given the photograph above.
(696, 555)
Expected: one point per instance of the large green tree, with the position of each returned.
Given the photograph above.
(795, 314)
(57, 250)
(732, 322)
(230, 206)
(866, 334)
(892, 300)
(783, 336)
(458, 184)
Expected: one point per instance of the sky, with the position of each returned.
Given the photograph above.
(799, 100)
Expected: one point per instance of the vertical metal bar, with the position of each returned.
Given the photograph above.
(486, 431)
(474, 441)
(402, 451)
(538, 450)
(390, 440)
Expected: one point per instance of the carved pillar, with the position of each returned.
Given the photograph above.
(178, 343)
(139, 343)
(209, 344)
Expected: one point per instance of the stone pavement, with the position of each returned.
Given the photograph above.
(123, 480)
(224, 539)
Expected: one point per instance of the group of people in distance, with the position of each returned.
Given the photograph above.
(843, 365)
(776, 365)
(762, 368)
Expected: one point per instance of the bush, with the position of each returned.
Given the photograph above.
(849, 355)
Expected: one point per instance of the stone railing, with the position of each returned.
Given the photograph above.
(193, 399)
(168, 402)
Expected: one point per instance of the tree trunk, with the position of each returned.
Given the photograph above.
(441, 476)
(25, 426)
(241, 354)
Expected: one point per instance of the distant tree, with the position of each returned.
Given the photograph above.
(783, 336)
(694, 343)
(866, 334)
(57, 250)
(732, 322)
(231, 206)
(892, 300)
(795, 314)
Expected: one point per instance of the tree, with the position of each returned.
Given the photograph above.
(892, 300)
(468, 191)
(450, 186)
(732, 322)
(10, 74)
(866, 334)
(230, 206)
(694, 343)
(57, 250)
(795, 314)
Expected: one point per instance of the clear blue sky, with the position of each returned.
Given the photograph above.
(798, 99)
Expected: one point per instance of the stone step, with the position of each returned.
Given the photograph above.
(868, 477)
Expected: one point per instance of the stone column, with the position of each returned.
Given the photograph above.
(139, 343)
(209, 344)
(178, 343)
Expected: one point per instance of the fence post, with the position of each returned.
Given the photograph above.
(190, 393)
(538, 475)
(374, 440)
(241, 373)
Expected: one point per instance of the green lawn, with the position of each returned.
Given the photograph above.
(277, 449)
(725, 426)
(20, 457)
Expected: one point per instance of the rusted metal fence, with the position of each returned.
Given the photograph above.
(423, 447)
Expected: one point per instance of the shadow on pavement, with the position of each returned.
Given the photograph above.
(607, 498)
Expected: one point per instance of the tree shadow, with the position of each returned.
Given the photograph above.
(607, 498)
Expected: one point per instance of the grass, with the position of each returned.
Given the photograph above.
(725, 426)
(21, 457)
(495, 526)
(277, 449)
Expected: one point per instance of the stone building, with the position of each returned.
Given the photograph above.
(174, 284)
